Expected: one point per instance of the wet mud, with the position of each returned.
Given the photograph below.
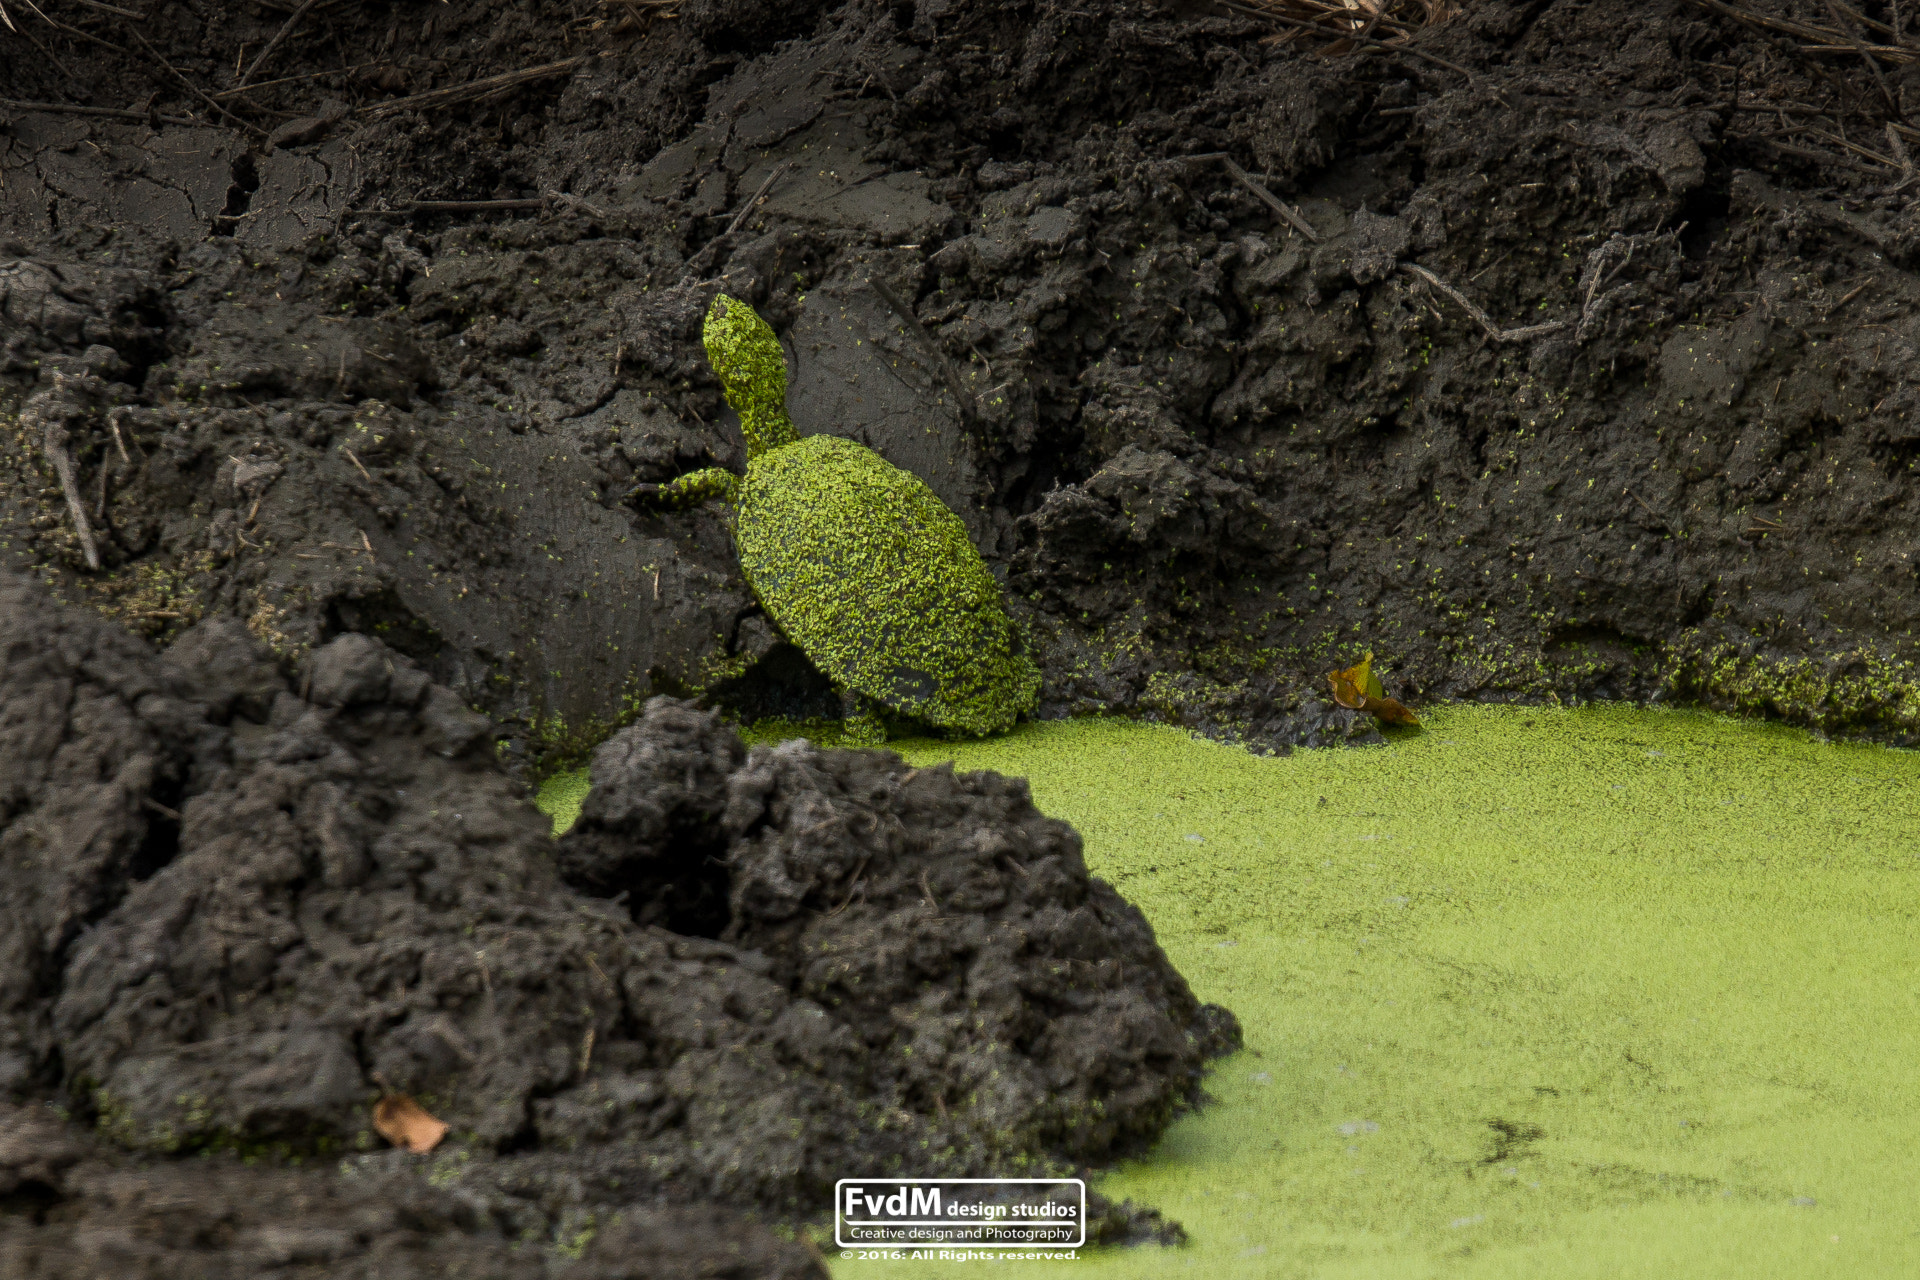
(242, 909)
(1572, 368)
(383, 351)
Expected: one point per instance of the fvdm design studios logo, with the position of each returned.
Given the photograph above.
(886, 1214)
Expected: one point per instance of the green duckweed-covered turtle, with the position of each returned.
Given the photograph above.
(857, 561)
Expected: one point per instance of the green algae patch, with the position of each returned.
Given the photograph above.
(1590, 993)
(560, 797)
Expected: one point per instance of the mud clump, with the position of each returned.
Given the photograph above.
(931, 931)
(240, 907)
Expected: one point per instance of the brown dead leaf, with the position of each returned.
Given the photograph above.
(1358, 689)
(407, 1124)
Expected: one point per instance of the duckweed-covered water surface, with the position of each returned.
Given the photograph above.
(1603, 992)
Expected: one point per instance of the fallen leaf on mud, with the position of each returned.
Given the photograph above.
(407, 1124)
(1358, 689)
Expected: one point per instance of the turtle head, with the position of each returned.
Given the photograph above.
(753, 372)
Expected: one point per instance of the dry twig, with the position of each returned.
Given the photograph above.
(635, 15)
(472, 89)
(1826, 40)
(1353, 23)
(193, 88)
(899, 307)
(299, 79)
(740, 218)
(54, 442)
(106, 113)
(1481, 318)
(285, 28)
(1288, 215)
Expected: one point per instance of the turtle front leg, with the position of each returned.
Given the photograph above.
(689, 490)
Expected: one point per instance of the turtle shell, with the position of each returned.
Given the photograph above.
(874, 578)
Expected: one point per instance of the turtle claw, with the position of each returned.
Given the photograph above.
(863, 730)
(860, 722)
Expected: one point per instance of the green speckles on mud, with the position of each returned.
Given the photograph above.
(1864, 691)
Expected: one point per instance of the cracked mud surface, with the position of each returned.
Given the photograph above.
(1212, 459)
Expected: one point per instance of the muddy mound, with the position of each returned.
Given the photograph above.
(938, 937)
(240, 908)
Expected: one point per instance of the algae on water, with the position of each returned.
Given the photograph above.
(1572, 993)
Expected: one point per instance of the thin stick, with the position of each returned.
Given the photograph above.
(1783, 25)
(1804, 154)
(1886, 51)
(1860, 43)
(274, 43)
(48, 55)
(1854, 147)
(962, 400)
(1782, 108)
(747, 208)
(55, 444)
(1480, 317)
(698, 263)
(1655, 514)
(1865, 21)
(311, 75)
(473, 88)
(120, 441)
(108, 113)
(61, 26)
(113, 9)
(1291, 218)
(1388, 45)
(567, 201)
(1856, 292)
(473, 206)
(192, 87)
(1899, 149)
(854, 884)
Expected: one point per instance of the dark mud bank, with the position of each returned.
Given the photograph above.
(239, 908)
(378, 351)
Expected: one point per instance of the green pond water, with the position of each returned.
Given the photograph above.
(1529, 993)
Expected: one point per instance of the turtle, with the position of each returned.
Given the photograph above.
(855, 560)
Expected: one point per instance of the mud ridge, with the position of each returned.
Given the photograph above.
(391, 370)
